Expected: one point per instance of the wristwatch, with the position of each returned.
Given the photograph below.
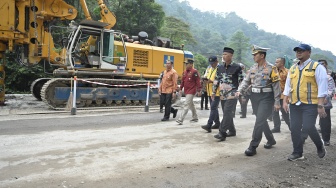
(320, 106)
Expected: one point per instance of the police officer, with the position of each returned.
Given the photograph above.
(227, 79)
(264, 80)
(307, 87)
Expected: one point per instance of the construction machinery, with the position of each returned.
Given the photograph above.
(111, 68)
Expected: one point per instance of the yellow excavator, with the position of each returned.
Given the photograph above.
(112, 68)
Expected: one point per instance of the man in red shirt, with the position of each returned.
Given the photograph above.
(192, 85)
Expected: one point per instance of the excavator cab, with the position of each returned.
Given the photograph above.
(92, 46)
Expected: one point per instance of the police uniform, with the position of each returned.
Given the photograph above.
(265, 93)
(227, 79)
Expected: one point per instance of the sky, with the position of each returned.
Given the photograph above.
(310, 22)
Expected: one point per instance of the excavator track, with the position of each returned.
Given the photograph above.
(97, 93)
(36, 87)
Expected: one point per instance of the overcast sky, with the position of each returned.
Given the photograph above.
(311, 22)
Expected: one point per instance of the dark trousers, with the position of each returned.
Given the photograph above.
(325, 124)
(214, 115)
(262, 104)
(161, 102)
(276, 117)
(227, 123)
(167, 98)
(243, 106)
(204, 98)
(302, 121)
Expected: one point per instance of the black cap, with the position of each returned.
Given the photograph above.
(212, 59)
(228, 50)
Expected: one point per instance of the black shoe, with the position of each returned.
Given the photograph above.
(326, 143)
(207, 128)
(321, 152)
(230, 134)
(240, 112)
(275, 130)
(269, 145)
(175, 113)
(220, 136)
(215, 127)
(242, 116)
(206, 108)
(270, 119)
(165, 119)
(161, 110)
(294, 157)
(201, 108)
(250, 151)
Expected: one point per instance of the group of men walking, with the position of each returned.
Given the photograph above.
(302, 90)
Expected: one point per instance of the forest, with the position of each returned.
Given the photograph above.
(202, 33)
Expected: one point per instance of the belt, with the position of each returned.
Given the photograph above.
(262, 90)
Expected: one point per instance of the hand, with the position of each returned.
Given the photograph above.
(237, 94)
(321, 112)
(199, 94)
(285, 106)
(277, 108)
(174, 95)
(213, 96)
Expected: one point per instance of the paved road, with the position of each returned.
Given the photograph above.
(132, 148)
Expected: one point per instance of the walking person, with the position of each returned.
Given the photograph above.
(204, 97)
(192, 86)
(227, 79)
(214, 115)
(280, 64)
(264, 80)
(168, 88)
(307, 87)
(325, 123)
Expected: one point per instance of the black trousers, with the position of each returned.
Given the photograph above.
(204, 98)
(167, 99)
(325, 124)
(228, 107)
(243, 107)
(161, 101)
(276, 117)
(262, 104)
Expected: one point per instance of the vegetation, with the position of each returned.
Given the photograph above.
(203, 33)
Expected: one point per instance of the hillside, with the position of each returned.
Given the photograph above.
(212, 31)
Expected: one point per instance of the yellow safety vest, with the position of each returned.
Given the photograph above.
(211, 76)
(303, 84)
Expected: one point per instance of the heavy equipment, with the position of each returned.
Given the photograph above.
(111, 69)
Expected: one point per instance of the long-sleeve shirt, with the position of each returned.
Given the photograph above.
(262, 77)
(320, 77)
(283, 76)
(169, 82)
(331, 86)
(228, 78)
(191, 81)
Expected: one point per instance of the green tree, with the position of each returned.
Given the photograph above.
(177, 30)
(201, 63)
(241, 44)
(134, 16)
